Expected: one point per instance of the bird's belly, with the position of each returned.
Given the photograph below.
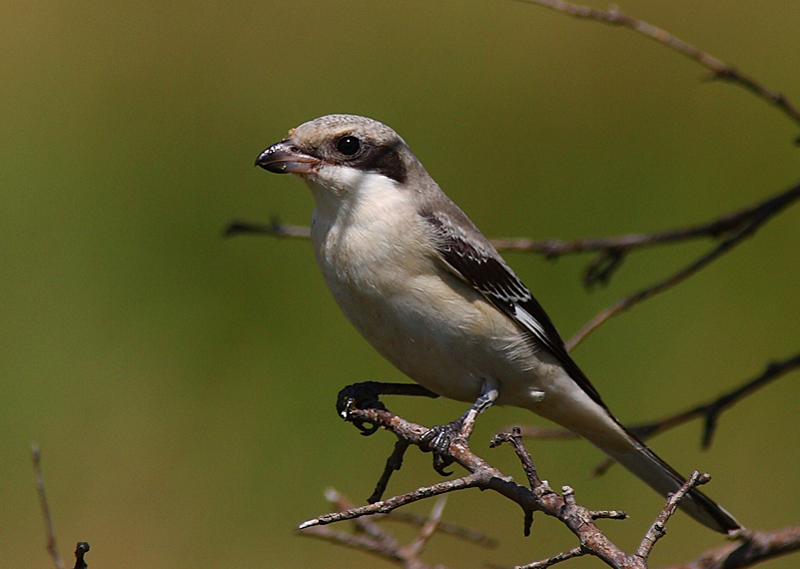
(445, 337)
(429, 324)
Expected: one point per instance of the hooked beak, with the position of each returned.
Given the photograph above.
(285, 158)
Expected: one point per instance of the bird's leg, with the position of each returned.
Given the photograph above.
(439, 437)
(366, 395)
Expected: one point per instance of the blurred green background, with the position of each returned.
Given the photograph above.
(182, 386)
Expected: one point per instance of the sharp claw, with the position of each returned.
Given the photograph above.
(437, 440)
(366, 431)
(359, 396)
(440, 463)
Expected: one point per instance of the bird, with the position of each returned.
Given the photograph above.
(420, 282)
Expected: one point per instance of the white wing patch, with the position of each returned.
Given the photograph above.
(529, 322)
(474, 260)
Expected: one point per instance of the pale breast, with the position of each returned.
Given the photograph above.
(380, 264)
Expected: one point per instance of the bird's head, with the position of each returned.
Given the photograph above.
(335, 152)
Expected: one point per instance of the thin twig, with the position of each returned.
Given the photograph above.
(762, 214)
(482, 475)
(273, 229)
(467, 534)
(554, 248)
(759, 546)
(571, 554)
(36, 457)
(386, 506)
(354, 541)
(658, 528)
(718, 68)
(370, 537)
(415, 548)
(712, 410)
(393, 464)
(366, 524)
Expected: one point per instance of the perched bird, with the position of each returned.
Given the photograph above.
(421, 283)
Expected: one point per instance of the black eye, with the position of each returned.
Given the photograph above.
(348, 145)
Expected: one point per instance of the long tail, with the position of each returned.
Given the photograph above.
(661, 477)
(577, 411)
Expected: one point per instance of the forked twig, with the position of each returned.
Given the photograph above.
(757, 216)
(719, 69)
(658, 528)
(482, 475)
(712, 410)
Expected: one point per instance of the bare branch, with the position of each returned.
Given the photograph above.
(482, 475)
(369, 537)
(366, 524)
(273, 229)
(623, 244)
(36, 457)
(719, 69)
(414, 549)
(712, 410)
(393, 463)
(753, 546)
(758, 546)
(467, 534)
(571, 554)
(386, 506)
(659, 527)
(354, 541)
(759, 215)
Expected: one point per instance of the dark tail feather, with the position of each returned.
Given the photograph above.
(646, 465)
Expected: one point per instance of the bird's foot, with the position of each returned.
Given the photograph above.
(363, 395)
(438, 439)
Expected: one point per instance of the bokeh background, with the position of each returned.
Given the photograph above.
(182, 386)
